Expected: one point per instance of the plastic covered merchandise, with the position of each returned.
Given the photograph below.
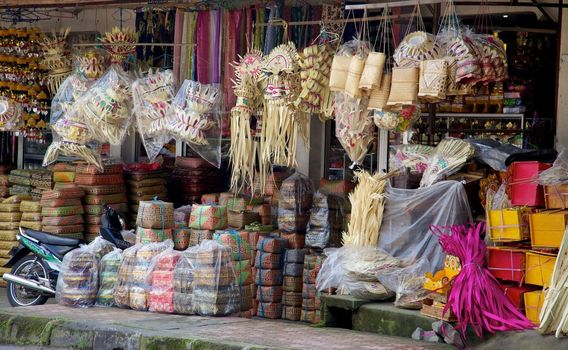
(77, 283)
(71, 136)
(123, 283)
(558, 173)
(108, 275)
(500, 199)
(408, 215)
(353, 126)
(10, 115)
(194, 117)
(152, 96)
(296, 197)
(107, 106)
(215, 292)
(327, 221)
(407, 282)
(161, 281)
(414, 157)
(494, 153)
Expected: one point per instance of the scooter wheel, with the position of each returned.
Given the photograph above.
(21, 296)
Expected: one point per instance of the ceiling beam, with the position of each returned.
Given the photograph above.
(405, 3)
(543, 10)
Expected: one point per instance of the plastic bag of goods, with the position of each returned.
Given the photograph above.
(296, 197)
(183, 282)
(327, 221)
(77, 283)
(161, 294)
(108, 276)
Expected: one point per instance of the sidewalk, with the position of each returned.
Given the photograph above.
(108, 328)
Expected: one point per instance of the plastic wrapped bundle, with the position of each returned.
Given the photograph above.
(77, 283)
(123, 284)
(214, 289)
(183, 283)
(161, 294)
(296, 195)
(108, 275)
(327, 221)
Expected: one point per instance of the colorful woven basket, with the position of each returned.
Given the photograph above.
(103, 190)
(91, 169)
(269, 294)
(69, 192)
(63, 211)
(89, 179)
(148, 235)
(265, 277)
(269, 310)
(60, 202)
(272, 245)
(208, 217)
(62, 229)
(156, 214)
(292, 299)
(268, 260)
(106, 199)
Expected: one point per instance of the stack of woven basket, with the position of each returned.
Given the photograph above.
(238, 244)
(31, 214)
(144, 185)
(41, 180)
(204, 220)
(269, 276)
(155, 221)
(311, 303)
(10, 217)
(193, 177)
(63, 174)
(101, 187)
(20, 182)
(4, 186)
(214, 290)
(62, 212)
(293, 271)
(255, 231)
(182, 232)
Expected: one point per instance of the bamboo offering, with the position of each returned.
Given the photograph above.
(368, 204)
(448, 157)
(554, 313)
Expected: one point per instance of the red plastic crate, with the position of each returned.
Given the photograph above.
(507, 264)
(524, 189)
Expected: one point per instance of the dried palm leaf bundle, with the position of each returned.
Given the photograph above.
(124, 40)
(56, 58)
(448, 157)
(282, 122)
(152, 96)
(353, 126)
(554, 313)
(244, 150)
(107, 106)
(367, 206)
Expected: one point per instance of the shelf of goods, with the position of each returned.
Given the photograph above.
(508, 128)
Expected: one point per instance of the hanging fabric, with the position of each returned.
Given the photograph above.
(178, 34)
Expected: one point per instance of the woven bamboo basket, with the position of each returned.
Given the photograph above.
(155, 214)
(63, 229)
(10, 208)
(9, 225)
(373, 71)
(30, 206)
(404, 86)
(356, 66)
(291, 313)
(69, 192)
(8, 244)
(380, 95)
(8, 235)
(433, 80)
(339, 72)
(10, 217)
(238, 219)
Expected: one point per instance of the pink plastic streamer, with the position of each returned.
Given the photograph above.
(475, 297)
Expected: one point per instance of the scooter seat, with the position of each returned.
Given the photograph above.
(48, 238)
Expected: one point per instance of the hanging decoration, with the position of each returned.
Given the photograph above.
(91, 63)
(121, 44)
(56, 58)
(152, 96)
(10, 115)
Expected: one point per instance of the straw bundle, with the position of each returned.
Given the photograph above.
(448, 157)
(368, 204)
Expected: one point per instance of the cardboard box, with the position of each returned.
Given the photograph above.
(507, 264)
(525, 191)
(539, 268)
(547, 228)
(533, 304)
(556, 196)
(509, 225)
(516, 293)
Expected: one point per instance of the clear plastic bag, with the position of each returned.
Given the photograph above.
(407, 282)
(182, 214)
(215, 292)
(558, 173)
(296, 198)
(327, 221)
(493, 153)
(183, 283)
(160, 280)
(405, 230)
(353, 270)
(123, 283)
(71, 136)
(108, 275)
(194, 118)
(448, 157)
(353, 126)
(107, 106)
(10, 115)
(152, 96)
(77, 284)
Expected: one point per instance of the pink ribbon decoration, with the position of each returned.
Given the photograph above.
(476, 297)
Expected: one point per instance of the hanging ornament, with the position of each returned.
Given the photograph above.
(56, 58)
(121, 44)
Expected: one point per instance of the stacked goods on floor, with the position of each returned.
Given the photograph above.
(62, 212)
(204, 220)
(238, 216)
(183, 283)
(193, 177)
(239, 247)
(294, 204)
(4, 186)
(108, 276)
(144, 182)
(20, 182)
(155, 221)
(311, 303)
(101, 187)
(182, 232)
(527, 237)
(292, 286)
(255, 231)
(439, 286)
(41, 180)
(63, 174)
(327, 221)
(10, 217)
(31, 214)
(161, 295)
(269, 263)
(132, 286)
(214, 290)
